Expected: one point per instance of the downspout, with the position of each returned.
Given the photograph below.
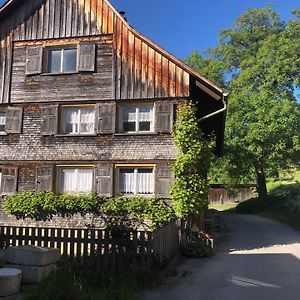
(224, 95)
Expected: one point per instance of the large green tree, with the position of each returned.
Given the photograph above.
(260, 58)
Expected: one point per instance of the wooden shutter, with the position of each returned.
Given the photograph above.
(9, 180)
(34, 59)
(44, 178)
(164, 179)
(164, 116)
(49, 120)
(104, 180)
(106, 118)
(87, 57)
(14, 116)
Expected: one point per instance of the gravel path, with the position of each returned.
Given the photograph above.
(259, 259)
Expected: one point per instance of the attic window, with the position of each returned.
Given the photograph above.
(62, 60)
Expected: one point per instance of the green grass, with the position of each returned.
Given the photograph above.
(63, 284)
(282, 205)
(223, 207)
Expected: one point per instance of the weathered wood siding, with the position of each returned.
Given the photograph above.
(69, 87)
(141, 68)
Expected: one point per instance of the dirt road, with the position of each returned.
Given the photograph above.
(259, 260)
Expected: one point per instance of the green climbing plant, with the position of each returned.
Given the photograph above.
(190, 188)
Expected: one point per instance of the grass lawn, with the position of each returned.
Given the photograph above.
(223, 207)
(283, 204)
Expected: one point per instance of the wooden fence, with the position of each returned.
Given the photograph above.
(107, 249)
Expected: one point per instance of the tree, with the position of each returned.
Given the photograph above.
(260, 55)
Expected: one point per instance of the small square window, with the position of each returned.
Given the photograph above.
(2, 121)
(137, 119)
(78, 120)
(136, 181)
(62, 60)
(76, 180)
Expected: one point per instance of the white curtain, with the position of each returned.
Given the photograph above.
(144, 182)
(2, 118)
(84, 180)
(87, 120)
(129, 114)
(145, 114)
(76, 180)
(71, 120)
(136, 181)
(127, 184)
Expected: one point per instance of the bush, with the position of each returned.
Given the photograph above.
(196, 248)
(119, 211)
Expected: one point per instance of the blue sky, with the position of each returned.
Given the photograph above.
(183, 26)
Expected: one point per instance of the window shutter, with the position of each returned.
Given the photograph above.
(34, 58)
(49, 120)
(164, 116)
(106, 118)
(164, 179)
(9, 180)
(104, 180)
(14, 117)
(44, 178)
(87, 57)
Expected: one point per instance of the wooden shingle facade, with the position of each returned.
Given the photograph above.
(87, 103)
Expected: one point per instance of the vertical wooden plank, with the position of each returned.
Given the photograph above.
(68, 23)
(158, 74)
(40, 26)
(100, 15)
(81, 17)
(46, 19)
(144, 70)
(151, 67)
(87, 17)
(118, 42)
(110, 21)
(138, 69)
(63, 18)
(72, 242)
(94, 25)
(57, 18)
(172, 79)
(51, 24)
(34, 31)
(179, 82)
(105, 17)
(131, 69)
(75, 17)
(165, 77)
(124, 76)
(26, 235)
(8, 65)
(186, 84)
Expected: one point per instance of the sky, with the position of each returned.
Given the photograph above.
(183, 26)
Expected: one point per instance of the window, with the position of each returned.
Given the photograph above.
(2, 122)
(62, 60)
(76, 180)
(78, 120)
(136, 181)
(137, 119)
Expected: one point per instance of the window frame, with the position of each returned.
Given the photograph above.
(59, 169)
(62, 48)
(61, 117)
(136, 167)
(136, 105)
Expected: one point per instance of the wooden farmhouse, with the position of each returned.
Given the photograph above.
(87, 103)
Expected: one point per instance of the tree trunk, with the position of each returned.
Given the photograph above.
(261, 181)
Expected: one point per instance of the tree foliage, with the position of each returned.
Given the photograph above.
(260, 57)
(190, 187)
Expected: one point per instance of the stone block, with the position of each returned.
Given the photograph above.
(31, 255)
(10, 281)
(33, 274)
